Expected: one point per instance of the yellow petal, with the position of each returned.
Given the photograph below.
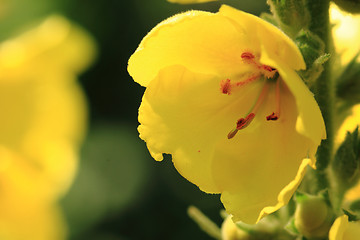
(190, 1)
(309, 122)
(338, 228)
(195, 40)
(250, 167)
(342, 229)
(185, 117)
(278, 46)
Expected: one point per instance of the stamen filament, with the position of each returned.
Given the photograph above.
(277, 96)
(260, 98)
(244, 122)
(276, 115)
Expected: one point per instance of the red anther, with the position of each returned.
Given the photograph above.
(244, 122)
(268, 68)
(272, 117)
(241, 124)
(225, 86)
(247, 55)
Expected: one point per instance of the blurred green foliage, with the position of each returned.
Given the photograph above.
(120, 192)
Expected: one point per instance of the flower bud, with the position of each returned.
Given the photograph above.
(291, 15)
(313, 216)
(312, 48)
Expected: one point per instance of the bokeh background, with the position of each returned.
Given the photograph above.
(120, 192)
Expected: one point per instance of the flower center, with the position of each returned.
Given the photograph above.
(270, 75)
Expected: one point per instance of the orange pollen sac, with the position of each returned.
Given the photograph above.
(225, 86)
(247, 55)
(241, 124)
(272, 117)
(244, 122)
(268, 68)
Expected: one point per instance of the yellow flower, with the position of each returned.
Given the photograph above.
(342, 229)
(346, 32)
(190, 1)
(222, 96)
(42, 124)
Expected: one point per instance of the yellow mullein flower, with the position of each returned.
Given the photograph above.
(42, 124)
(222, 96)
(346, 32)
(342, 229)
(190, 1)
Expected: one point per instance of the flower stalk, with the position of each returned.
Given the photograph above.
(324, 87)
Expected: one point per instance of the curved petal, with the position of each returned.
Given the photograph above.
(200, 41)
(338, 228)
(278, 46)
(187, 116)
(342, 229)
(310, 122)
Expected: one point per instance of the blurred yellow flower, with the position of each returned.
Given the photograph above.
(349, 124)
(346, 33)
(342, 229)
(190, 1)
(222, 96)
(42, 124)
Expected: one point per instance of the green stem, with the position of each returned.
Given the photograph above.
(324, 88)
